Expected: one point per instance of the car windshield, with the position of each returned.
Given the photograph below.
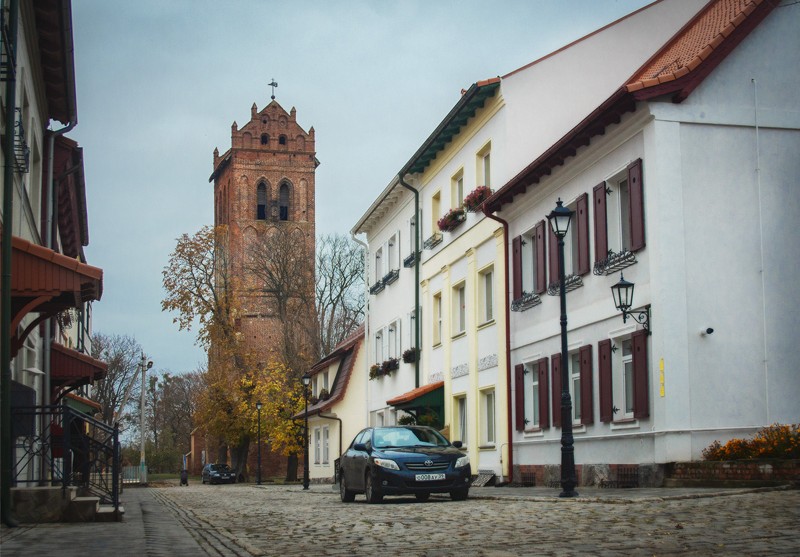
(219, 467)
(390, 437)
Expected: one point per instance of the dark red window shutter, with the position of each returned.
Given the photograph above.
(519, 396)
(587, 405)
(600, 223)
(582, 230)
(556, 367)
(541, 258)
(641, 389)
(636, 198)
(516, 271)
(544, 396)
(553, 254)
(605, 382)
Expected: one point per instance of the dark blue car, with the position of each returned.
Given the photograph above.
(403, 460)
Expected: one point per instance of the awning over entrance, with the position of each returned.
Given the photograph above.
(428, 396)
(46, 282)
(70, 368)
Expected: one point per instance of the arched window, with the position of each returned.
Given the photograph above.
(284, 202)
(261, 200)
(282, 140)
(264, 139)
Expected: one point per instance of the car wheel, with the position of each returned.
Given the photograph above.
(459, 494)
(371, 492)
(422, 496)
(346, 495)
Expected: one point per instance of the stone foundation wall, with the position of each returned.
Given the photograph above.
(741, 470)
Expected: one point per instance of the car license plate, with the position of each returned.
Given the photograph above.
(429, 477)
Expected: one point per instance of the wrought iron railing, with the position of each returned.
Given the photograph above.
(391, 276)
(434, 240)
(526, 301)
(60, 446)
(614, 262)
(571, 282)
(377, 287)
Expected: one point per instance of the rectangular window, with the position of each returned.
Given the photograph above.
(486, 282)
(379, 347)
(488, 422)
(459, 309)
(317, 445)
(483, 170)
(457, 189)
(575, 385)
(436, 201)
(437, 318)
(461, 408)
(394, 339)
(325, 381)
(627, 378)
(392, 249)
(623, 378)
(619, 213)
(533, 420)
(379, 264)
(325, 449)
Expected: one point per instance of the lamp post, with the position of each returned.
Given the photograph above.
(623, 300)
(559, 219)
(306, 382)
(145, 365)
(258, 473)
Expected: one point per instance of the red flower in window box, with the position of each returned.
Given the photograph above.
(474, 199)
(452, 219)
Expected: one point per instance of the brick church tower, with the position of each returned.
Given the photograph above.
(264, 183)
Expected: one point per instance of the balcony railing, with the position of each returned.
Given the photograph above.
(526, 301)
(572, 282)
(614, 262)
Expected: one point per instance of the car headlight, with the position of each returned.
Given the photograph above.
(462, 461)
(386, 463)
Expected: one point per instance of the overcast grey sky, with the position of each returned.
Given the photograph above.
(161, 81)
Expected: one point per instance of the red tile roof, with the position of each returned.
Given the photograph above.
(676, 69)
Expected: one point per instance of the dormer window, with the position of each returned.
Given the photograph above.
(264, 139)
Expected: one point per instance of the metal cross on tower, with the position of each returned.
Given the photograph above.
(273, 85)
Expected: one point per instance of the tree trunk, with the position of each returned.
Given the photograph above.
(291, 468)
(239, 460)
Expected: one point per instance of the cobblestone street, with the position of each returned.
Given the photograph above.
(287, 521)
(247, 520)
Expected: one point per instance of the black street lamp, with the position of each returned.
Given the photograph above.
(559, 221)
(623, 300)
(258, 475)
(306, 382)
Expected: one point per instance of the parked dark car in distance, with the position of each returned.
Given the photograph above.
(218, 473)
(403, 460)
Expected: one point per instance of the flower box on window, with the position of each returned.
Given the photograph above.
(571, 283)
(323, 394)
(390, 365)
(411, 260)
(452, 219)
(375, 371)
(377, 287)
(410, 355)
(474, 199)
(391, 276)
(434, 240)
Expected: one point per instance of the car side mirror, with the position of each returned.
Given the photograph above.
(458, 444)
(360, 447)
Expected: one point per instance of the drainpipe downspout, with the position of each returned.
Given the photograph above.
(5, 281)
(417, 263)
(366, 319)
(508, 344)
(49, 233)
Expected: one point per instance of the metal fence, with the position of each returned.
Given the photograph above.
(60, 446)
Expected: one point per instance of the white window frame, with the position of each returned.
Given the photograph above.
(394, 339)
(437, 318)
(483, 165)
(531, 383)
(462, 415)
(379, 264)
(457, 189)
(575, 385)
(486, 284)
(459, 309)
(325, 445)
(617, 212)
(488, 417)
(317, 445)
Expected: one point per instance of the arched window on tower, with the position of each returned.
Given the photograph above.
(284, 202)
(264, 139)
(261, 202)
